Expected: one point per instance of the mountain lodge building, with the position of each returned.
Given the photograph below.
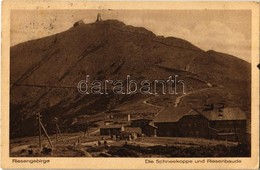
(223, 124)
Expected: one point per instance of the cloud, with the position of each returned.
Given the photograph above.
(211, 36)
(218, 36)
(208, 35)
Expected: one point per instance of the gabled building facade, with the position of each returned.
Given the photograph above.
(148, 129)
(223, 124)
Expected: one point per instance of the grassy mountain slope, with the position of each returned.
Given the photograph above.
(46, 71)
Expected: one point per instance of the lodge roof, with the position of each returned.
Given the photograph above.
(131, 128)
(142, 119)
(174, 114)
(112, 126)
(153, 126)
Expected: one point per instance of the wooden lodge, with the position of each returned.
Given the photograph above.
(223, 124)
(212, 123)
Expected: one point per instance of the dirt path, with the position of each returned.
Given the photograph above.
(144, 144)
(179, 98)
(188, 65)
(95, 131)
(180, 141)
(149, 104)
(93, 143)
(70, 138)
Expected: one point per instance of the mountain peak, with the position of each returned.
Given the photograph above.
(111, 22)
(117, 25)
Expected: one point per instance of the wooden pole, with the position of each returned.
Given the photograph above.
(56, 134)
(47, 136)
(56, 120)
(39, 129)
(59, 132)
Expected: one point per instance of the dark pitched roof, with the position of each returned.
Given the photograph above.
(152, 125)
(233, 113)
(131, 128)
(112, 126)
(173, 114)
(142, 119)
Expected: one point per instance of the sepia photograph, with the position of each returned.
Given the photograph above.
(112, 82)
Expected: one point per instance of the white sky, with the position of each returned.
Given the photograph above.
(227, 31)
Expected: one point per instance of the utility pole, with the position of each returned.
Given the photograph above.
(39, 129)
(56, 121)
(47, 136)
(56, 135)
(58, 132)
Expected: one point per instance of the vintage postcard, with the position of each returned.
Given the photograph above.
(130, 85)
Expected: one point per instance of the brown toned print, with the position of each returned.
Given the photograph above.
(165, 87)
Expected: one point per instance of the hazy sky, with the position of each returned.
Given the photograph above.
(227, 31)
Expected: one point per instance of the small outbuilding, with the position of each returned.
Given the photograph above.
(145, 124)
(80, 22)
(113, 129)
